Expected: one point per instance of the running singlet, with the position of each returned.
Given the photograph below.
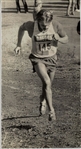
(43, 43)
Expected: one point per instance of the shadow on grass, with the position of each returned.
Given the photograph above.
(29, 116)
(69, 17)
(12, 10)
(20, 127)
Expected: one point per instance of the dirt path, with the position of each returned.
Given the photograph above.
(21, 125)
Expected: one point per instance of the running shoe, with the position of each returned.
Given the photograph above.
(52, 116)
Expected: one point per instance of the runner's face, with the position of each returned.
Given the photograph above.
(44, 25)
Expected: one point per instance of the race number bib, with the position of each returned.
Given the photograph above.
(43, 43)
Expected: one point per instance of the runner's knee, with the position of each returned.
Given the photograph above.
(48, 84)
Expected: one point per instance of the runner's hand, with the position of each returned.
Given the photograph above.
(56, 37)
(17, 50)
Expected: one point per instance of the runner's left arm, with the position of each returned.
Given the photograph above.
(60, 34)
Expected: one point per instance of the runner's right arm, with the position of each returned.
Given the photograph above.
(28, 26)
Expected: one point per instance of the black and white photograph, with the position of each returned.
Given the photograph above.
(40, 74)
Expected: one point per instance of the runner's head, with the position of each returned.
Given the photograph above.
(44, 18)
